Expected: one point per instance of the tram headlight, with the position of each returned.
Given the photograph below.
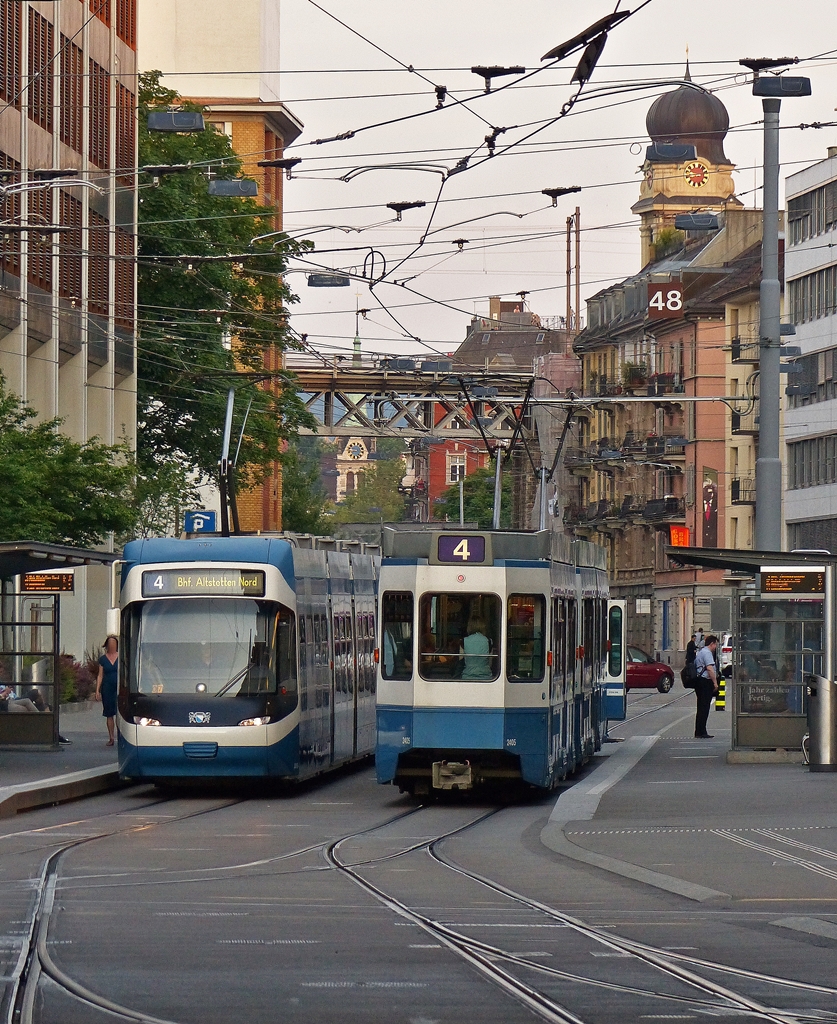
(256, 721)
(145, 721)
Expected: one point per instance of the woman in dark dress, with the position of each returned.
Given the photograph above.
(106, 684)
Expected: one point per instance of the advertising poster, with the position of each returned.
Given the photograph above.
(710, 508)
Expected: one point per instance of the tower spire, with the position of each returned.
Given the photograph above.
(688, 76)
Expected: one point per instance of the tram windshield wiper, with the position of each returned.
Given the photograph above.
(233, 681)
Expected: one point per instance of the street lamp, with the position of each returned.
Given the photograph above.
(768, 528)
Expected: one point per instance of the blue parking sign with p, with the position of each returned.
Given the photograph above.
(201, 522)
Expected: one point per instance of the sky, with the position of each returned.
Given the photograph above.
(336, 82)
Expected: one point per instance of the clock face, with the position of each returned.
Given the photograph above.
(696, 174)
(355, 450)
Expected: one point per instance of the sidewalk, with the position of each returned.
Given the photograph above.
(31, 778)
(668, 810)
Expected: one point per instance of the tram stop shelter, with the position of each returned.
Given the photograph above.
(783, 634)
(30, 636)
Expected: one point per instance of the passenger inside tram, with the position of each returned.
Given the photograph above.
(460, 636)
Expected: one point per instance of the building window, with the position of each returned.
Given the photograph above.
(101, 8)
(10, 244)
(817, 534)
(813, 213)
(40, 245)
(71, 83)
(457, 467)
(40, 70)
(124, 285)
(70, 242)
(99, 149)
(125, 133)
(10, 45)
(813, 296)
(126, 22)
(98, 265)
(812, 462)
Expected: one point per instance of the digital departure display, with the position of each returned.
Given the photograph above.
(204, 582)
(793, 582)
(48, 583)
(461, 550)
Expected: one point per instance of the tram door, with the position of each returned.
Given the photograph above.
(615, 698)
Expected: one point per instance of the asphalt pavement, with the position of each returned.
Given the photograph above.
(661, 884)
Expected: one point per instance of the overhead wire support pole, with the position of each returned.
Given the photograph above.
(768, 529)
(224, 465)
(771, 89)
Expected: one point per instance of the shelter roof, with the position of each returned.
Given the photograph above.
(21, 556)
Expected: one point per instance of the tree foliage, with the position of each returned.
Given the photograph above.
(56, 490)
(479, 500)
(304, 499)
(201, 317)
(376, 498)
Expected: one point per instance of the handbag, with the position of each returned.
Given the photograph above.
(689, 675)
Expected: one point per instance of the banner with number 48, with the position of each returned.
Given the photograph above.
(665, 301)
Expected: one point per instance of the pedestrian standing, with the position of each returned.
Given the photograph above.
(691, 649)
(699, 638)
(706, 685)
(106, 684)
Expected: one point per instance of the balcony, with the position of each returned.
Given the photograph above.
(665, 384)
(605, 513)
(745, 423)
(660, 509)
(667, 446)
(742, 491)
(744, 351)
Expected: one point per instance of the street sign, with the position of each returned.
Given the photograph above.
(48, 583)
(665, 301)
(201, 522)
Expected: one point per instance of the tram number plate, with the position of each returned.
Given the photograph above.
(203, 581)
(464, 550)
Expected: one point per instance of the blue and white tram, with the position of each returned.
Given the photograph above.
(245, 656)
(493, 658)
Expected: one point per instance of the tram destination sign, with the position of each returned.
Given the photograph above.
(456, 549)
(203, 582)
(793, 581)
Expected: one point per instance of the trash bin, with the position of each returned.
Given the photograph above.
(822, 724)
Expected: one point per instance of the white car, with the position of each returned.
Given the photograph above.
(725, 653)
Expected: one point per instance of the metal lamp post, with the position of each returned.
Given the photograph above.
(768, 527)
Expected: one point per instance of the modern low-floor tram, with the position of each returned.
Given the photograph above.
(247, 657)
(495, 656)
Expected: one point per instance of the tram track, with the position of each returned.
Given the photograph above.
(648, 711)
(713, 996)
(496, 965)
(35, 960)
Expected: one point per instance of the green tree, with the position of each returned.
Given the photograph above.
(479, 500)
(304, 499)
(204, 316)
(56, 490)
(377, 490)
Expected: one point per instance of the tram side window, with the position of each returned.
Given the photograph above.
(397, 635)
(286, 660)
(460, 636)
(525, 635)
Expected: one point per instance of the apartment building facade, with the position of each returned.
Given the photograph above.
(67, 267)
(811, 404)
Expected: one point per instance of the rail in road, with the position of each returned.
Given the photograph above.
(345, 901)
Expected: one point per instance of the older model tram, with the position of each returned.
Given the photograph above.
(245, 656)
(497, 657)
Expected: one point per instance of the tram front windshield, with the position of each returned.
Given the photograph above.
(228, 646)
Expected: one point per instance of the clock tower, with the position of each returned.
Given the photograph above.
(673, 183)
